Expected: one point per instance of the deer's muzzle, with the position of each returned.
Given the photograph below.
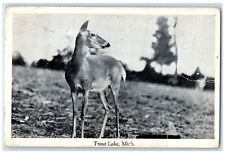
(106, 45)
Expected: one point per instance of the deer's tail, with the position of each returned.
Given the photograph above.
(123, 73)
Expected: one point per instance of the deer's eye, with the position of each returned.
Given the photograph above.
(93, 35)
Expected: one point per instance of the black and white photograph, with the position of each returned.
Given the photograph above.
(112, 77)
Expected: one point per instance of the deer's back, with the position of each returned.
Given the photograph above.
(102, 61)
(104, 66)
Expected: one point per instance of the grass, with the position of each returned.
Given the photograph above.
(42, 107)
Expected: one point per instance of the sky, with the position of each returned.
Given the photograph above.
(38, 36)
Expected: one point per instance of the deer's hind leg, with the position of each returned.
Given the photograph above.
(115, 91)
(107, 108)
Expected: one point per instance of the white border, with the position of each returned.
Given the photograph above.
(67, 142)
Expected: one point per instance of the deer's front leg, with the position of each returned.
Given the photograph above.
(83, 112)
(75, 112)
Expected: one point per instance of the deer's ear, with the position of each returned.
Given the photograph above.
(84, 26)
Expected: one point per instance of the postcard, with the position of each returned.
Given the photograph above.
(112, 77)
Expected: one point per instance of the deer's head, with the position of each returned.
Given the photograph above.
(90, 39)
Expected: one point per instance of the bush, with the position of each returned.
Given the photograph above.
(58, 61)
(42, 63)
(17, 59)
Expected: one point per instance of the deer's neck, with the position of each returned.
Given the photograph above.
(80, 53)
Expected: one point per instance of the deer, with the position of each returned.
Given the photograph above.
(86, 73)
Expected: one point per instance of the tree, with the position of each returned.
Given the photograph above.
(17, 59)
(58, 61)
(162, 47)
(66, 54)
(42, 63)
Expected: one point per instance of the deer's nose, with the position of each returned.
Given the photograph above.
(107, 45)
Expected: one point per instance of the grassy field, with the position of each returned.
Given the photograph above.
(42, 107)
